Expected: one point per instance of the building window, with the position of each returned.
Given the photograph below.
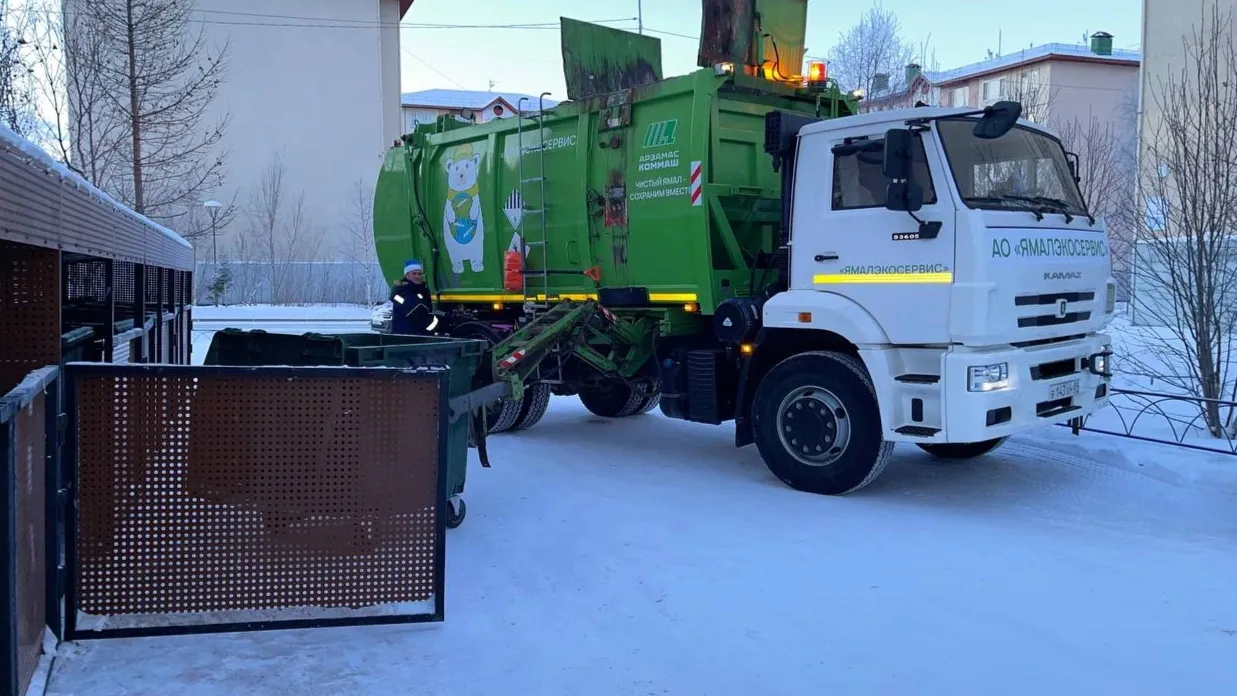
(416, 116)
(858, 180)
(990, 92)
(959, 96)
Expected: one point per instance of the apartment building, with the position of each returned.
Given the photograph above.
(1057, 82)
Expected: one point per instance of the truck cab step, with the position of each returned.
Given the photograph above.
(917, 431)
(919, 379)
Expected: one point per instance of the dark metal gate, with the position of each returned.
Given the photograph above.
(213, 498)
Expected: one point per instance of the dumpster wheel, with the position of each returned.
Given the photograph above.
(456, 511)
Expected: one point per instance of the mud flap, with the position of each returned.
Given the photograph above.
(479, 428)
(472, 406)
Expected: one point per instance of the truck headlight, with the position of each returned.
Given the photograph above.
(986, 378)
(1100, 362)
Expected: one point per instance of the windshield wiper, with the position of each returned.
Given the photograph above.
(1038, 209)
(1053, 205)
(1063, 205)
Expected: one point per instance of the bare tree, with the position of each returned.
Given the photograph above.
(1035, 96)
(65, 54)
(17, 106)
(1106, 166)
(358, 246)
(146, 70)
(280, 233)
(1107, 152)
(870, 48)
(1185, 275)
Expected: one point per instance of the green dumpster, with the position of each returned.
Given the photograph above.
(462, 357)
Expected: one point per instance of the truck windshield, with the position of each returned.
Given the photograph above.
(1022, 169)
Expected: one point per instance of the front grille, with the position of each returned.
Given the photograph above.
(1052, 319)
(1047, 341)
(1053, 299)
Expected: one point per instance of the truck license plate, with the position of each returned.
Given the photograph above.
(1065, 390)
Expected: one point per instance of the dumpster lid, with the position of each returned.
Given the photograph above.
(601, 60)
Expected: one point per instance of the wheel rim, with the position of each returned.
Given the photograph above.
(813, 425)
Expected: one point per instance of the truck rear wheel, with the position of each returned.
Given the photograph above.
(533, 406)
(503, 414)
(651, 402)
(961, 450)
(612, 399)
(817, 424)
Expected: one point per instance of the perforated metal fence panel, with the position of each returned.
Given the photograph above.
(219, 498)
(29, 311)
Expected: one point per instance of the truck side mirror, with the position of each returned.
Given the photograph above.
(897, 164)
(1072, 159)
(905, 196)
(997, 120)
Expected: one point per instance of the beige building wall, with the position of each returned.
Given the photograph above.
(327, 97)
(1064, 89)
(1166, 25)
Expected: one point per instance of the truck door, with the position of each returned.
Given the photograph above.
(847, 243)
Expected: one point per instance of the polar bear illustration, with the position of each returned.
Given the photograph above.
(463, 226)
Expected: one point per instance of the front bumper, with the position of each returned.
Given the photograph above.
(1047, 384)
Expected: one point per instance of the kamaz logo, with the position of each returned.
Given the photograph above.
(1063, 275)
(661, 133)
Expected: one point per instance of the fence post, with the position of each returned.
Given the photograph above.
(54, 512)
(139, 307)
(109, 310)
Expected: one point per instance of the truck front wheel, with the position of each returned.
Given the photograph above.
(817, 424)
(961, 450)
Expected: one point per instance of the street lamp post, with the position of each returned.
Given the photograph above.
(212, 206)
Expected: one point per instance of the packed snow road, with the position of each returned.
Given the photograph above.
(649, 556)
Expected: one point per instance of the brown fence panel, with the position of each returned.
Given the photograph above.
(220, 499)
(29, 311)
(25, 581)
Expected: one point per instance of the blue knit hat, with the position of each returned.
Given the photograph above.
(412, 265)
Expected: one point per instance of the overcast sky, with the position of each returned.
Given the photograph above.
(529, 60)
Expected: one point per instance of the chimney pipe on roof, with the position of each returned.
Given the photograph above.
(912, 71)
(1101, 43)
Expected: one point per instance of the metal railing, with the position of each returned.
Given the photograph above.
(1175, 419)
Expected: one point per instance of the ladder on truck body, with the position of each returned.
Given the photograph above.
(536, 297)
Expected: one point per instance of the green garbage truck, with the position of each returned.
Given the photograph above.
(740, 244)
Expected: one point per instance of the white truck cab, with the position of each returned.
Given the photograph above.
(950, 257)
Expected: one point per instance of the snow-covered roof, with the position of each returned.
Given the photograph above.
(466, 99)
(38, 160)
(1035, 53)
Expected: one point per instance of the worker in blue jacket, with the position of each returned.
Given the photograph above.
(412, 307)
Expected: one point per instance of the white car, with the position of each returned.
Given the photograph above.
(380, 318)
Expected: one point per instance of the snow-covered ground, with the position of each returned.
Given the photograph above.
(649, 556)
